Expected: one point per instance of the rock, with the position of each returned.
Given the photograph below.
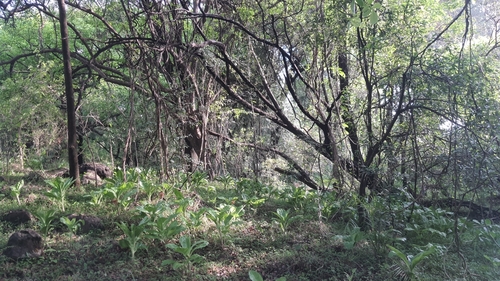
(90, 177)
(91, 223)
(58, 173)
(34, 177)
(102, 170)
(17, 217)
(24, 244)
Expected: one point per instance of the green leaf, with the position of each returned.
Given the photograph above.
(177, 265)
(255, 276)
(356, 22)
(400, 254)
(420, 256)
(196, 258)
(199, 245)
(123, 244)
(373, 17)
(185, 241)
(167, 262)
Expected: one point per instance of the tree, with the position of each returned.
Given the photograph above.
(70, 100)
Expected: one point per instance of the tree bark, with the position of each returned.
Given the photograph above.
(74, 171)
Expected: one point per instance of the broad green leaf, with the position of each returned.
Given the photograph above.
(400, 254)
(373, 17)
(420, 256)
(255, 276)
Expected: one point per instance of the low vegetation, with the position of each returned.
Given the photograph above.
(210, 230)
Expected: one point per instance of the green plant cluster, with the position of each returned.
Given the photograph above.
(182, 222)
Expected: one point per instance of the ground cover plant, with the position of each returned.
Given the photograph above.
(153, 238)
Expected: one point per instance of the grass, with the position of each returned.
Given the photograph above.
(309, 250)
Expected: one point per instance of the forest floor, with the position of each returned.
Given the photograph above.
(310, 242)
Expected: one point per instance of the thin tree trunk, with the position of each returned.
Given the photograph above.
(130, 133)
(74, 171)
(21, 148)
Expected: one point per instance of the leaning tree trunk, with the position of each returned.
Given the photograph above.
(70, 99)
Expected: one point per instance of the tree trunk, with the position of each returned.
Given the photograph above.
(81, 159)
(70, 99)
(194, 146)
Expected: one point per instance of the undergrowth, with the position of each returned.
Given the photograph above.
(191, 228)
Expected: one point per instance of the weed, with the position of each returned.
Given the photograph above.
(296, 197)
(427, 222)
(227, 181)
(252, 201)
(166, 190)
(182, 202)
(133, 237)
(15, 190)
(251, 187)
(195, 218)
(72, 224)
(353, 237)
(490, 233)
(328, 205)
(162, 228)
(120, 193)
(406, 270)
(95, 197)
(284, 219)
(45, 219)
(228, 200)
(186, 249)
(59, 189)
(152, 211)
(147, 185)
(149, 188)
(224, 217)
(199, 179)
